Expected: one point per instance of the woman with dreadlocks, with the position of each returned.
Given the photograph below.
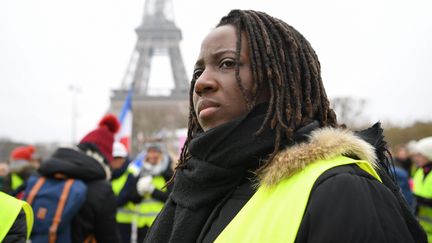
(265, 159)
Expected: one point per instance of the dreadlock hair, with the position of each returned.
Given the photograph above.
(282, 61)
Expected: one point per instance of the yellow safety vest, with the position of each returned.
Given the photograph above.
(117, 185)
(274, 214)
(10, 207)
(145, 212)
(16, 181)
(149, 208)
(423, 188)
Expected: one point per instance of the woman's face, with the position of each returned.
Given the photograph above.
(217, 98)
(420, 160)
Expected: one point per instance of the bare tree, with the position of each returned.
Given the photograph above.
(349, 111)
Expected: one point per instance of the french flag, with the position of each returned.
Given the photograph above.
(125, 118)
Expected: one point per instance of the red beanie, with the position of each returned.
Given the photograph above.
(103, 136)
(22, 153)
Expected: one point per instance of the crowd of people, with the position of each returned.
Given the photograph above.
(265, 160)
(121, 199)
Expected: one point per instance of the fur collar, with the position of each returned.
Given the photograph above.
(323, 143)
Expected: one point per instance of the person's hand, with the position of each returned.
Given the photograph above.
(144, 185)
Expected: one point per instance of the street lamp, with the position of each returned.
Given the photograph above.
(75, 91)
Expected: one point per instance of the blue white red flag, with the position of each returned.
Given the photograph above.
(125, 134)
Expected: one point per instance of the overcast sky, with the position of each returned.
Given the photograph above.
(377, 50)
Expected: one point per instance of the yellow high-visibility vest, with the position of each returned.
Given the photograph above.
(149, 208)
(10, 207)
(274, 214)
(117, 185)
(16, 181)
(422, 187)
(145, 212)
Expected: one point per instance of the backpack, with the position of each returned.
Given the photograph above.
(55, 202)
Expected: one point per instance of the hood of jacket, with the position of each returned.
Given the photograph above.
(74, 163)
(322, 143)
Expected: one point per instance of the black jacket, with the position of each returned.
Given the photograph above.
(346, 203)
(18, 231)
(97, 215)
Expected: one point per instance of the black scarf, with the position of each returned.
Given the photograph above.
(221, 159)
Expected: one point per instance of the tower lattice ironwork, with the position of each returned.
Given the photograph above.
(157, 36)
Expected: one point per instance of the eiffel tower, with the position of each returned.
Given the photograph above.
(157, 36)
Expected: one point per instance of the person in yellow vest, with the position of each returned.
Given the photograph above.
(16, 218)
(22, 166)
(422, 186)
(156, 170)
(265, 159)
(123, 182)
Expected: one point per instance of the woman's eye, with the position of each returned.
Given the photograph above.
(197, 73)
(227, 63)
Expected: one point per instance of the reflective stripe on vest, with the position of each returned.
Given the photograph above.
(10, 207)
(274, 214)
(422, 187)
(16, 181)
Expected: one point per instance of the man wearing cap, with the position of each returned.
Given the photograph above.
(123, 183)
(21, 168)
(152, 193)
(422, 156)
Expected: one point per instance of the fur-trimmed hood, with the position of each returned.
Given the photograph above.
(324, 143)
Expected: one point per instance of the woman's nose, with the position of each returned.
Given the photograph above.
(205, 83)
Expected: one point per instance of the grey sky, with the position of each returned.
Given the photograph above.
(377, 50)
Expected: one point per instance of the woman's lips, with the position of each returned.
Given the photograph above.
(207, 112)
(207, 108)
